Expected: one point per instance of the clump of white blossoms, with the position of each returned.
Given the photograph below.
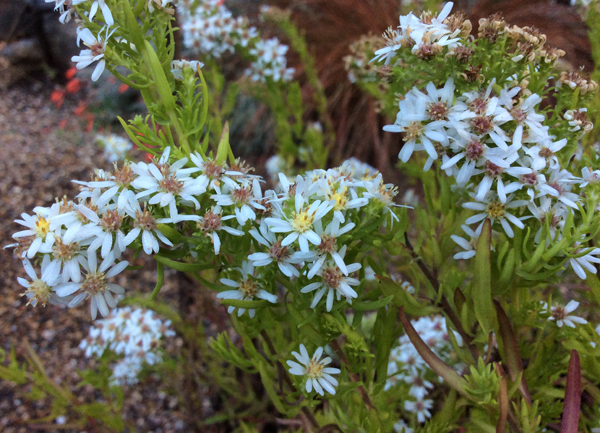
(509, 161)
(315, 371)
(212, 29)
(134, 333)
(115, 147)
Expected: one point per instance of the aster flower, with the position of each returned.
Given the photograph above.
(562, 315)
(246, 290)
(95, 51)
(318, 375)
(300, 223)
(419, 386)
(543, 154)
(334, 283)
(67, 256)
(211, 223)
(145, 223)
(419, 408)
(164, 182)
(328, 246)
(244, 197)
(105, 229)
(285, 257)
(95, 286)
(491, 207)
(585, 261)
(41, 228)
(40, 290)
(469, 246)
(117, 183)
(99, 4)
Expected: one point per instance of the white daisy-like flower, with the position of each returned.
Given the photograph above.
(41, 228)
(164, 182)
(105, 230)
(491, 207)
(246, 290)
(543, 154)
(418, 135)
(285, 257)
(99, 4)
(420, 408)
(588, 176)
(300, 223)
(145, 223)
(244, 197)
(469, 246)
(40, 290)
(117, 183)
(402, 427)
(579, 263)
(335, 283)
(67, 257)
(94, 52)
(419, 386)
(212, 222)
(328, 247)
(318, 375)
(95, 285)
(562, 315)
(177, 66)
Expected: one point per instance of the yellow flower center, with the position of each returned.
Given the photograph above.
(41, 293)
(314, 369)
(341, 201)
(302, 221)
(42, 227)
(495, 209)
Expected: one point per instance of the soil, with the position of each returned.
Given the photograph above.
(42, 149)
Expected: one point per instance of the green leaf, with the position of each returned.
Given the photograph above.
(375, 305)
(269, 387)
(402, 298)
(238, 303)
(181, 266)
(172, 234)
(224, 148)
(482, 284)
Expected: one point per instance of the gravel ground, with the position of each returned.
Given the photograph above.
(38, 161)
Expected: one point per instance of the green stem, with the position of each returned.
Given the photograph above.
(160, 268)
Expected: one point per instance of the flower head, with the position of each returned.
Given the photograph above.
(318, 375)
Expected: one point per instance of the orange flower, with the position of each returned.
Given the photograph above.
(58, 97)
(123, 88)
(73, 86)
(79, 110)
(62, 123)
(70, 73)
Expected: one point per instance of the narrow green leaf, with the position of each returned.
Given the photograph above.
(269, 386)
(180, 266)
(224, 148)
(238, 303)
(402, 298)
(172, 234)
(375, 305)
(482, 284)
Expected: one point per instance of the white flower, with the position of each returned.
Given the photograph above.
(300, 223)
(334, 282)
(95, 285)
(491, 207)
(102, 228)
(284, 256)
(418, 387)
(42, 228)
(589, 176)
(95, 51)
(244, 197)
(165, 182)
(561, 314)
(115, 147)
(211, 222)
(328, 246)
(468, 246)
(145, 223)
(402, 427)
(177, 66)
(420, 408)
(318, 376)
(584, 261)
(39, 290)
(108, 18)
(543, 154)
(246, 290)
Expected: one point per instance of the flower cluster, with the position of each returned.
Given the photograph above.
(408, 369)
(300, 231)
(134, 333)
(115, 147)
(496, 143)
(212, 29)
(318, 375)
